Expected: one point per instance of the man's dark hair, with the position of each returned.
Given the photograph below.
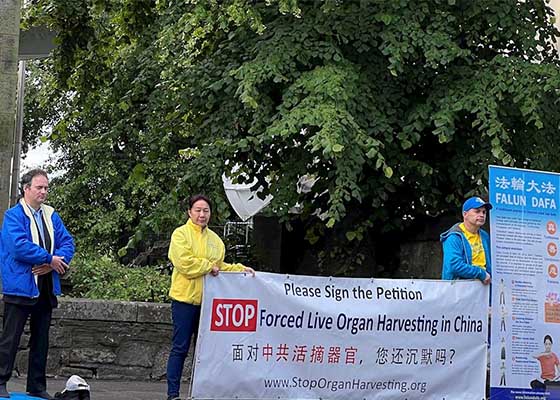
(28, 177)
(197, 197)
(549, 338)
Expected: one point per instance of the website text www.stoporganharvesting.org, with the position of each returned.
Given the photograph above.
(335, 385)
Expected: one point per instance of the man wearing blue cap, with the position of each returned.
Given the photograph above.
(466, 247)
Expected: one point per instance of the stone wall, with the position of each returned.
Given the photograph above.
(107, 340)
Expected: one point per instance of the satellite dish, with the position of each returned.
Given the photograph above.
(243, 199)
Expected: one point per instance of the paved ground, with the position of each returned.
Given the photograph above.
(104, 390)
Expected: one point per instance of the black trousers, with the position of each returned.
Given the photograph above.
(15, 317)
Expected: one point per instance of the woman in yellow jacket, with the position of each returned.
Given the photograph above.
(195, 251)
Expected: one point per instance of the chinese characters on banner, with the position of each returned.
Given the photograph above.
(284, 337)
(525, 292)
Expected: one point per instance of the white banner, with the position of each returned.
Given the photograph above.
(284, 337)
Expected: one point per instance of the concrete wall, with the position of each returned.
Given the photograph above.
(555, 4)
(421, 256)
(107, 340)
(9, 42)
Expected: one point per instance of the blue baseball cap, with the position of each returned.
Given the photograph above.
(475, 202)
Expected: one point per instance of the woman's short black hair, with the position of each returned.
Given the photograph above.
(197, 197)
(549, 338)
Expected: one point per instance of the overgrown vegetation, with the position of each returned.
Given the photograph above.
(395, 108)
(97, 276)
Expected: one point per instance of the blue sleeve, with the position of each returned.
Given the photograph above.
(486, 245)
(16, 242)
(64, 244)
(454, 265)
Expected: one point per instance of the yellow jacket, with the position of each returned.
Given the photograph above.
(193, 251)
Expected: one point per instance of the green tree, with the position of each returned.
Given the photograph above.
(395, 108)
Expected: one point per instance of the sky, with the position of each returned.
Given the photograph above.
(36, 158)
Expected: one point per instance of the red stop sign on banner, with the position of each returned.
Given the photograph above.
(234, 315)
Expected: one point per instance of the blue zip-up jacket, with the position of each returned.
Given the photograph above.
(457, 255)
(20, 249)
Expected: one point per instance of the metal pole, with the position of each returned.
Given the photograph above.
(18, 134)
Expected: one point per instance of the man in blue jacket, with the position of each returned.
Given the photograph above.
(466, 247)
(35, 249)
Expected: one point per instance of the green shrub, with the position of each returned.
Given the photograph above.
(101, 277)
